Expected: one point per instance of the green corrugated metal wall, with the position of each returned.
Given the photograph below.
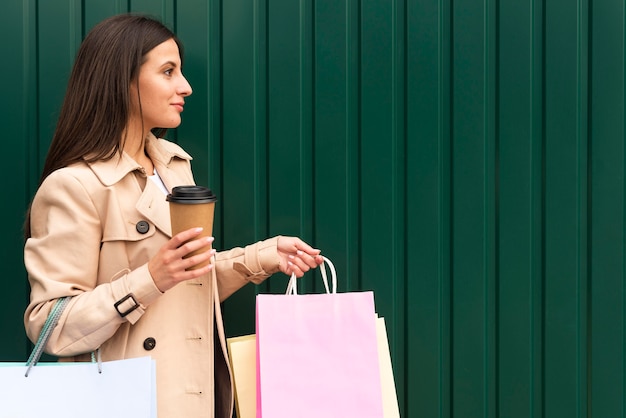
(464, 159)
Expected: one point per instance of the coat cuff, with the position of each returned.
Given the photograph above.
(132, 292)
(260, 260)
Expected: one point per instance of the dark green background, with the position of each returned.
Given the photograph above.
(464, 159)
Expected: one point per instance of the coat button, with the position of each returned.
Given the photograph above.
(149, 343)
(142, 227)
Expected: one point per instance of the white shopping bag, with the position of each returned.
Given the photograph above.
(122, 388)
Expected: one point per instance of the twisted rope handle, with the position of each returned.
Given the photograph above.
(46, 331)
(292, 286)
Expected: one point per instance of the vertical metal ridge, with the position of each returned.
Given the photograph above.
(306, 114)
(542, 293)
(353, 134)
(537, 206)
(490, 216)
(214, 99)
(83, 25)
(445, 156)
(497, 196)
(76, 28)
(30, 62)
(623, 60)
(168, 11)
(399, 180)
(175, 14)
(260, 117)
(583, 293)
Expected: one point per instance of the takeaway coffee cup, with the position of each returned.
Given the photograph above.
(191, 207)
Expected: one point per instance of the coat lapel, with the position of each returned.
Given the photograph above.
(152, 204)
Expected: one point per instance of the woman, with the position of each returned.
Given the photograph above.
(99, 230)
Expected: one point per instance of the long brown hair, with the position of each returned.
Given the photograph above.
(96, 107)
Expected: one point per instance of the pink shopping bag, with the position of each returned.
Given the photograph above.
(317, 355)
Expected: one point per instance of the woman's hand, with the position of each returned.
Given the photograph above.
(297, 256)
(168, 267)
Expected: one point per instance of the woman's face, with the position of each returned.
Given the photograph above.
(161, 87)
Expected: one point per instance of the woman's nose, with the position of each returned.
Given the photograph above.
(185, 88)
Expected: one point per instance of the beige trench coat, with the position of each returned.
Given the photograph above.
(94, 227)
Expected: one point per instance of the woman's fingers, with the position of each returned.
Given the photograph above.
(303, 247)
(196, 259)
(174, 261)
(194, 245)
(300, 256)
(302, 262)
(182, 237)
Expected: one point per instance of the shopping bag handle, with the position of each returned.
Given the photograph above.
(292, 286)
(46, 332)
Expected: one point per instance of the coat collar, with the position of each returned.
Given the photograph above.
(151, 203)
(161, 152)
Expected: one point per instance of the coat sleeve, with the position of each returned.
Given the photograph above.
(253, 263)
(62, 258)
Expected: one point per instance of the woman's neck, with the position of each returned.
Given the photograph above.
(135, 147)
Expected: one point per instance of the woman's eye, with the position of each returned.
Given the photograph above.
(168, 72)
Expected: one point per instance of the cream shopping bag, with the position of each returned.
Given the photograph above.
(388, 386)
(242, 358)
